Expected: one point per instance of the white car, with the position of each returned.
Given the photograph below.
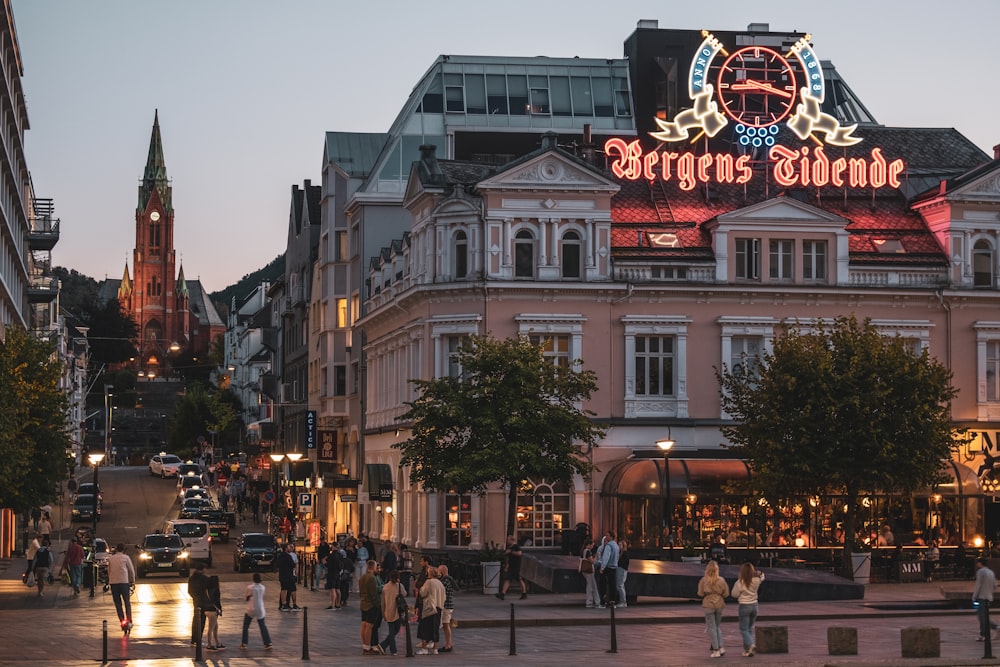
(197, 537)
(165, 465)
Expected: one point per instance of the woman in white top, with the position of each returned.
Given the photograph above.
(745, 592)
(255, 610)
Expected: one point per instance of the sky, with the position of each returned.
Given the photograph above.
(247, 89)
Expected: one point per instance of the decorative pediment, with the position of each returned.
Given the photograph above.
(986, 188)
(552, 170)
(781, 212)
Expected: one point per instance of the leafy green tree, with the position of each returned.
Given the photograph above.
(201, 411)
(840, 408)
(511, 415)
(33, 434)
(111, 332)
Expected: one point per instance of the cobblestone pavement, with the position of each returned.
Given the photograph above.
(59, 629)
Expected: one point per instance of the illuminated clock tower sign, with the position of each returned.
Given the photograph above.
(757, 89)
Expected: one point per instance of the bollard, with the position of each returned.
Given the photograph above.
(409, 638)
(197, 634)
(305, 633)
(988, 643)
(513, 640)
(104, 641)
(614, 632)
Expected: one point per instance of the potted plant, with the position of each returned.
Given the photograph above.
(490, 558)
(861, 561)
(689, 554)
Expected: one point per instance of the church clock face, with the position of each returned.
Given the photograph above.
(757, 86)
(154, 216)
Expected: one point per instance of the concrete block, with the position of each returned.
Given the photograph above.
(842, 641)
(772, 639)
(921, 642)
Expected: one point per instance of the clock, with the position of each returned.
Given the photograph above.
(757, 86)
(154, 216)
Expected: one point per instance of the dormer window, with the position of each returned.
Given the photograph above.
(888, 246)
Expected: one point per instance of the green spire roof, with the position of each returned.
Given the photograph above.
(155, 175)
(182, 286)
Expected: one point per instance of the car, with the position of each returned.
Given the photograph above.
(188, 467)
(196, 492)
(197, 537)
(165, 465)
(190, 482)
(255, 551)
(84, 508)
(191, 507)
(218, 522)
(160, 552)
(88, 488)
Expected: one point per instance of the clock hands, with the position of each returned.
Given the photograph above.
(764, 86)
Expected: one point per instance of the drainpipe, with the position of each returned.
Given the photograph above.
(947, 326)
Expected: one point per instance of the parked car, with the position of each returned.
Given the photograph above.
(191, 507)
(83, 508)
(161, 552)
(88, 488)
(218, 522)
(255, 551)
(165, 465)
(197, 537)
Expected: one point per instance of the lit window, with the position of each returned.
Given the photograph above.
(341, 313)
(457, 519)
(554, 347)
(542, 513)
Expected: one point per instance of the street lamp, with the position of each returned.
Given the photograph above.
(665, 446)
(95, 460)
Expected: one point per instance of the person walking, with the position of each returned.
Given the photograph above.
(121, 576)
(255, 611)
(287, 598)
(586, 568)
(609, 567)
(512, 568)
(431, 603)
(392, 593)
(745, 592)
(334, 565)
(197, 584)
(45, 526)
(42, 565)
(29, 556)
(74, 564)
(622, 574)
(370, 604)
(713, 589)
(982, 595)
(213, 610)
(450, 588)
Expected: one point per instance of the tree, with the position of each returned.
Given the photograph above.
(33, 433)
(111, 334)
(840, 409)
(202, 411)
(511, 415)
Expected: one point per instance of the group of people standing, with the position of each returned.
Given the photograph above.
(713, 591)
(605, 569)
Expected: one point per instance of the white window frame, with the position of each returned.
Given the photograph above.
(781, 260)
(543, 324)
(443, 328)
(817, 264)
(986, 333)
(746, 327)
(747, 258)
(656, 406)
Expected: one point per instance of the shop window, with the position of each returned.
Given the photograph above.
(458, 519)
(542, 513)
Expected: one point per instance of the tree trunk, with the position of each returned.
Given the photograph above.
(850, 531)
(511, 509)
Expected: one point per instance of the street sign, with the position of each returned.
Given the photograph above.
(311, 429)
(349, 498)
(269, 496)
(305, 500)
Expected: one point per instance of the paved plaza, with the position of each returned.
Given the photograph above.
(59, 629)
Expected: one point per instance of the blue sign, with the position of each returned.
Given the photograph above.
(311, 429)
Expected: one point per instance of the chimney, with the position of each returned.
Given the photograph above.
(996, 152)
(647, 24)
(549, 141)
(587, 149)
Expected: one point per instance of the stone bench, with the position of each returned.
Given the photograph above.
(842, 640)
(921, 642)
(772, 639)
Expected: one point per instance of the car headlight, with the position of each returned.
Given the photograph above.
(182, 554)
(144, 556)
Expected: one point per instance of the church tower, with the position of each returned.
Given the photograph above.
(155, 297)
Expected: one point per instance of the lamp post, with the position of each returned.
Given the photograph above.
(109, 400)
(668, 510)
(95, 460)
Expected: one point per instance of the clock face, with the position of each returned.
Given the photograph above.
(757, 86)
(154, 216)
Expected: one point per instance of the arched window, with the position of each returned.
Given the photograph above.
(461, 256)
(982, 264)
(571, 255)
(524, 255)
(542, 513)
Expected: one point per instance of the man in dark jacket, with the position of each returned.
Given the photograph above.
(197, 584)
(288, 600)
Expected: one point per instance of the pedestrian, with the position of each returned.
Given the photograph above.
(390, 559)
(609, 567)
(42, 565)
(29, 556)
(431, 603)
(121, 577)
(371, 613)
(213, 610)
(450, 588)
(394, 608)
(425, 565)
(713, 589)
(255, 610)
(36, 516)
(512, 568)
(45, 526)
(745, 592)
(346, 576)
(622, 573)
(586, 568)
(287, 598)
(197, 583)
(322, 553)
(334, 565)
(982, 595)
(74, 564)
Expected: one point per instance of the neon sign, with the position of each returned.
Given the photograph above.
(806, 166)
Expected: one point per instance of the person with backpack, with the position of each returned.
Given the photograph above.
(394, 610)
(42, 564)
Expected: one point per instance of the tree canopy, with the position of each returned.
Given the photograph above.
(512, 415)
(33, 433)
(840, 408)
(201, 411)
(111, 332)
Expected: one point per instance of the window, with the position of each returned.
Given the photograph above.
(340, 380)
(342, 249)
(781, 259)
(559, 93)
(454, 94)
(496, 94)
(993, 370)
(461, 256)
(524, 255)
(454, 366)
(539, 95)
(458, 519)
(604, 105)
(746, 351)
(623, 104)
(571, 255)
(517, 93)
(814, 260)
(341, 313)
(583, 102)
(982, 264)
(988, 369)
(554, 347)
(542, 513)
(748, 259)
(475, 94)
(654, 366)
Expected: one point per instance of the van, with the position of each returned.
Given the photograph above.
(197, 536)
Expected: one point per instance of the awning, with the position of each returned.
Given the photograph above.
(644, 477)
(378, 481)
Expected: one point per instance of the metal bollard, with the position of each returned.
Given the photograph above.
(513, 640)
(988, 643)
(197, 634)
(409, 638)
(614, 631)
(305, 633)
(104, 642)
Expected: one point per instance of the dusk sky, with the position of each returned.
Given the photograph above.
(246, 90)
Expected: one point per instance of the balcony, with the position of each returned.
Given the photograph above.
(43, 234)
(43, 289)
